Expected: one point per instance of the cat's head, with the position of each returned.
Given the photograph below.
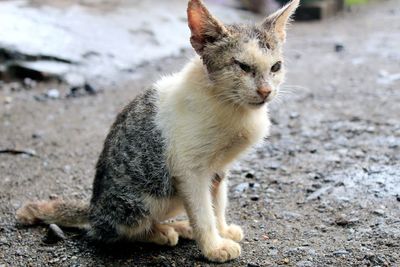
(244, 62)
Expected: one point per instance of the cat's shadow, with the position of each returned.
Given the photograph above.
(137, 252)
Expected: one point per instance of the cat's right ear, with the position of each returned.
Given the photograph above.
(203, 26)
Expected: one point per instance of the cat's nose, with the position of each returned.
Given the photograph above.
(264, 91)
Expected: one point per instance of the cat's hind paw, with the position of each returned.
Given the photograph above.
(164, 235)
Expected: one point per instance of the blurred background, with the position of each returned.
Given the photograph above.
(324, 189)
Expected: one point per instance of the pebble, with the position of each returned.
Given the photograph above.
(343, 220)
(294, 115)
(305, 264)
(240, 188)
(249, 175)
(341, 252)
(255, 198)
(54, 234)
(29, 83)
(3, 241)
(53, 94)
(7, 100)
(339, 47)
(379, 212)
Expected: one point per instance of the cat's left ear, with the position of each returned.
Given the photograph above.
(278, 21)
(205, 28)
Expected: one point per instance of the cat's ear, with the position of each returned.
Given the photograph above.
(203, 26)
(278, 21)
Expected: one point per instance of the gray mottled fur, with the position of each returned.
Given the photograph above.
(131, 167)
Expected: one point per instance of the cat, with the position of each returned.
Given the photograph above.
(169, 151)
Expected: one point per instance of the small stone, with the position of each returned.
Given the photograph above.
(53, 196)
(29, 83)
(36, 135)
(342, 220)
(255, 198)
(274, 165)
(54, 234)
(7, 100)
(90, 89)
(379, 212)
(3, 241)
(53, 93)
(341, 252)
(285, 261)
(305, 264)
(252, 265)
(339, 47)
(249, 175)
(294, 115)
(240, 188)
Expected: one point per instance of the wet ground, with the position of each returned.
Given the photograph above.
(324, 189)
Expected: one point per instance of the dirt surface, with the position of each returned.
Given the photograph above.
(324, 189)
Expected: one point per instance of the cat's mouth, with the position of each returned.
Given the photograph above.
(257, 104)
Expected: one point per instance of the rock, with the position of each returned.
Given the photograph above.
(54, 234)
(342, 220)
(341, 252)
(240, 188)
(53, 93)
(255, 198)
(294, 115)
(249, 175)
(90, 89)
(274, 165)
(82, 90)
(8, 100)
(253, 265)
(305, 264)
(379, 212)
(339, 47)
(74, 79)
(3, 241)
(29, 83)
(53, 196)
(288, 215)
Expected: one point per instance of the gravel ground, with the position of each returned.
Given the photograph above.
(324, 189)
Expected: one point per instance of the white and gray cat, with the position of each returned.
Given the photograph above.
(169, 150)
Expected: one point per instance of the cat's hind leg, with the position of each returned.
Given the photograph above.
(150, 232)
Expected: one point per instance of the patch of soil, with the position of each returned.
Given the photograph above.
(323, 190)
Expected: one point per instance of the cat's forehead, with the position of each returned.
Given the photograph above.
(248, 33)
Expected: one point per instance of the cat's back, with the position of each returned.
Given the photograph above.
(133, 156)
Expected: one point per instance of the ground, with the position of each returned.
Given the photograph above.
(323, 190)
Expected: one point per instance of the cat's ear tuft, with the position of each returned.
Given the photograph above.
(280, 19)
(203, 26)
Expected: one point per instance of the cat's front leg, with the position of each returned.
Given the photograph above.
(220, 199)
(197, 198)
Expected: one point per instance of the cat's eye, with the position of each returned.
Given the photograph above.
(276, 67)
(244, 67)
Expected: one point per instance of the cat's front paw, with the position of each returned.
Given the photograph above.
(225, 250)
(233, 232)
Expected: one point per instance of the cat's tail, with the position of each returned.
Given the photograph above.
(61, 212)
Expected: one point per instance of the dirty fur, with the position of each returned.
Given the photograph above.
(168, 152)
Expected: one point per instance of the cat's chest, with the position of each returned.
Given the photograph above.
(232, 143)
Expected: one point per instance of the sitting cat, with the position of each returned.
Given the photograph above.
(169, 150)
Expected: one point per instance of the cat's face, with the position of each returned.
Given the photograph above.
(246, 66)
(244, 62)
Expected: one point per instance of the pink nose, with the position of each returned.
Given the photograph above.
(264, 91)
